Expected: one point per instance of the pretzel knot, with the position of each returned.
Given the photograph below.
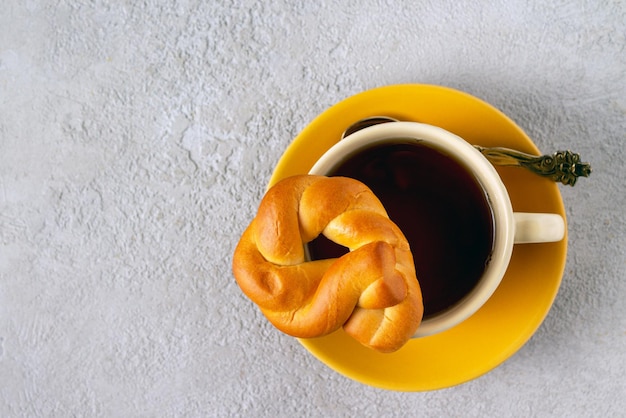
(371, 291)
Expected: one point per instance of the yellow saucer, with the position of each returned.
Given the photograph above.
(523, 299)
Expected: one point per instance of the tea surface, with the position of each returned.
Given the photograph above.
(439, 206)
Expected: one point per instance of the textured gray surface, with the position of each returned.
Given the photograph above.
(136, 139)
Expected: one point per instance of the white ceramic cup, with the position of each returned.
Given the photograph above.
(509, 227)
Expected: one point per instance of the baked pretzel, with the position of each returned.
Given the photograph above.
(371, 291)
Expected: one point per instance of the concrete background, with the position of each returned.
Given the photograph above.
(136, 139)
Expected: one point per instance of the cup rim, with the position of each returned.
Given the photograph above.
(485, 173)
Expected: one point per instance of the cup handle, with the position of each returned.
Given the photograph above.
(538, 227)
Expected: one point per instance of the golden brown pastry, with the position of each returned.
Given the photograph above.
(371, 291)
